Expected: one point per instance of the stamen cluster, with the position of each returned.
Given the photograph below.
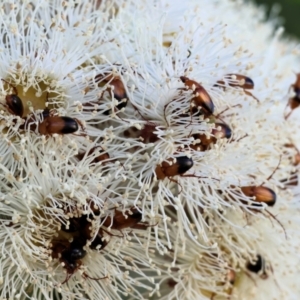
(145, 153)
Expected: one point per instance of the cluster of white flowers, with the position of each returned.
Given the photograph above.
(149, 150)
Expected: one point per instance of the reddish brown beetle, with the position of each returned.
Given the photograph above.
(98, 243)
(219, 132)
(146, 134)
(296, 86)
(292, 180)
(294, 102)
(258, 266)
(167, 169)
(262, 194)
(173, 167)
(70, 254)
(57, 125)
(102, 157)
(242, 81)
(120, 220)
(201, 98)
(13, 103)
(116, 86)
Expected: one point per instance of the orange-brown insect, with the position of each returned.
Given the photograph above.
(71, 254)
(116, 87)
(102, 157)
(169, 169)
(219, 132)
(293, 178)
(146, 134)
(237, 80)
(296, 86)
(13, 103)
(121, 221)
(294, 102)
(71, 257)
(76, 224)
(243, 81)
(258, 266)
(81, 227)
(202, 98)
(261, 194)
(58, 125)
(98, 243)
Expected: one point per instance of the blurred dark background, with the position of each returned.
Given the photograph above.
(290, 14)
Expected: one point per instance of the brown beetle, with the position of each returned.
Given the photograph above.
(70, 254)
(262, 194)
(58, 125)
(116, 86)
(79, 230)
(292, 180)
(242, 81)
(146, 134)
(258, 266)
(201, 98)
(296, 86)
(71, 257)
(81, 227)
(102, 157)
(75, 224)
(98, 243)
(120, 221)
(294, 102)
(52, 124)
(169, 169)
(219, 132)
(13, 103)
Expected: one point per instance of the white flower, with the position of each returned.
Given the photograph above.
(244, 265)
(49, 182)
(138, 160)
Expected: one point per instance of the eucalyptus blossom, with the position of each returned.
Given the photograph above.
(147, 151)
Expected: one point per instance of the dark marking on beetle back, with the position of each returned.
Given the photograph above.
(184, 164)
(71, 125)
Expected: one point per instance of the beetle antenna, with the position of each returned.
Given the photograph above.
(274, 170)
(281, 225)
